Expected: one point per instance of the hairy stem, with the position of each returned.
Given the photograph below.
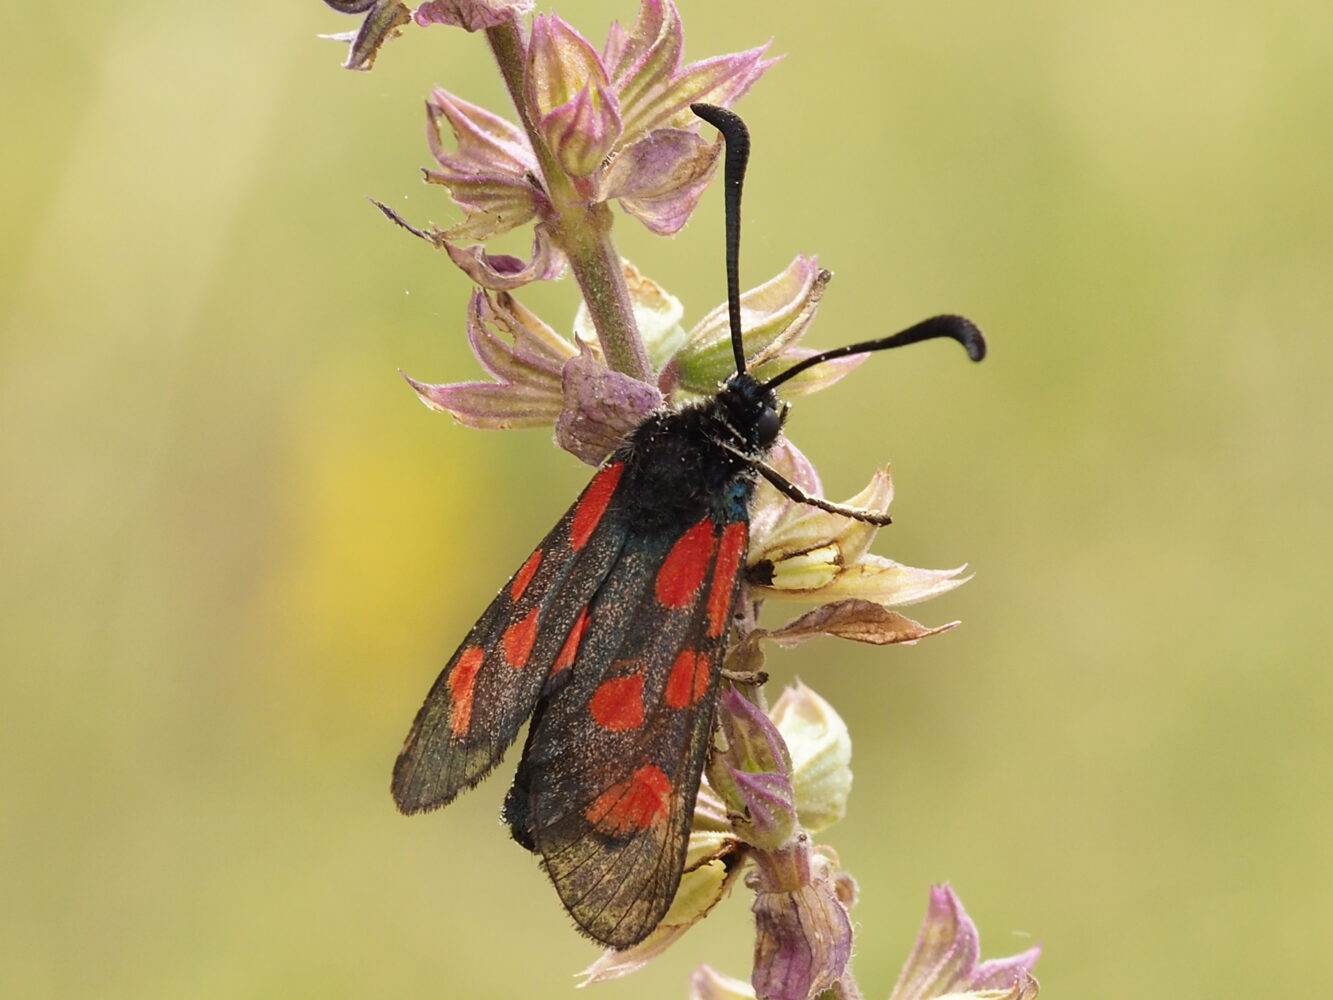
(582, 230)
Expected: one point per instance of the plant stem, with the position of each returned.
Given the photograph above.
(596, 266)
(580, 228)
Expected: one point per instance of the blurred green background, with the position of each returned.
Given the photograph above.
(236, 550)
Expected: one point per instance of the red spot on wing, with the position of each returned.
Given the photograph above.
(633, 804)
(570, 649)
(524, 576)
(617, 704)
(462, 682)
(728, 563)
(685, 566)
(518, 639)
(593, 503)
(688, 680)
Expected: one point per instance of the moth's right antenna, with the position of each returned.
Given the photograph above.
(958, 328)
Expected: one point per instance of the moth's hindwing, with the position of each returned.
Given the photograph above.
(606, 789)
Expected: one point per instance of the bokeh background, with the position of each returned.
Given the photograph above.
(236, 550)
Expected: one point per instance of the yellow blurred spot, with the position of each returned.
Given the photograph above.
(386, 566)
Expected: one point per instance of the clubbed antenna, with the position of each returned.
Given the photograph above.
(954, 327)
(737, 138)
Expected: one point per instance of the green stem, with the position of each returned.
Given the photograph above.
(596, 266)
(580, 229)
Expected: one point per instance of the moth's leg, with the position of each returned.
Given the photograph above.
(790, 489)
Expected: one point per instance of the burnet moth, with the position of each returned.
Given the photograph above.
(610, 637)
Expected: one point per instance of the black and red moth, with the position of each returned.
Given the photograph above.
(610, 638)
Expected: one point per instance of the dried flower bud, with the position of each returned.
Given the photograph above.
(601, 406)
(862, 621)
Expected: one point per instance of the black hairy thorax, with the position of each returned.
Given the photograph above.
(699, 459)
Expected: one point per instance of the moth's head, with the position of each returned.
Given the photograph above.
(753, 405)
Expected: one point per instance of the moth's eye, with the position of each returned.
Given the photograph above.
(768, 425)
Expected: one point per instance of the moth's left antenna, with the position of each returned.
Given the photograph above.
(737, 138)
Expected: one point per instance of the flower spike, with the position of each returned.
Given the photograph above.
(653, 778)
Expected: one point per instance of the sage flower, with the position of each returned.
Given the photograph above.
(595, 125)
(943, 965)
(543, 378)
(946, 960)
(472, 15)
(616, 124)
